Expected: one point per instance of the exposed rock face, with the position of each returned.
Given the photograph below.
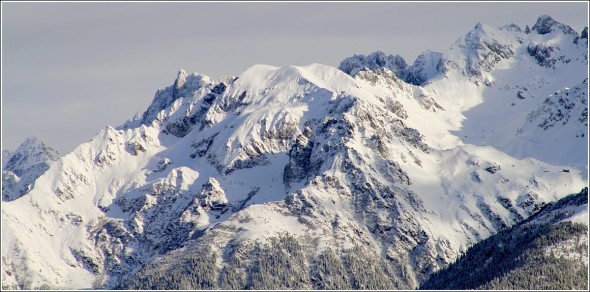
(427, 66)
(584, 34)
(563, 106)
(545, 24)
(212, 196)
(481, 49)
(374, 61)
(484, 48)
(184, 86)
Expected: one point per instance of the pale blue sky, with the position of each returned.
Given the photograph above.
(70, 69)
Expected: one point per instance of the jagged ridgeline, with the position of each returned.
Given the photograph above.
(542, 253)
(371, 176)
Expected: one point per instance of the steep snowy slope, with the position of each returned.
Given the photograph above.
(537, 107)
(333, 160)
(21, 168)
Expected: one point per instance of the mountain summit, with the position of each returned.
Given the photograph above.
(23, 166)
(374, 176)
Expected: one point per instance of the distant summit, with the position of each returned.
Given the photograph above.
(375, 61)
(473, 55)
(23, 166)
(545, 24)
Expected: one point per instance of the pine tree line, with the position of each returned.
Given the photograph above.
(282, 263)
(516, 259)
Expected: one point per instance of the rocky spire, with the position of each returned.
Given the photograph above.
(546, 24)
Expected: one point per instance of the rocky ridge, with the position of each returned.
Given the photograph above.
(328, 158)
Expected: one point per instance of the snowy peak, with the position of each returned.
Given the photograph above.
(374, 61)
(180, 79)
(546, 24)
(30, 160)
(183, 87)
(261, 79)
(279, 91)
(486, 35)
(511, 27)
(472, 56)
(31, 152)
(427, 66)
(477, 53)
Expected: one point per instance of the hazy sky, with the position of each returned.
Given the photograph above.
(70, 69)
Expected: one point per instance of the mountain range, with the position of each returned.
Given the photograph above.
(373, 175)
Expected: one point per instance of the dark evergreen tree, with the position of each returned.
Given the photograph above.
(328, 272)
(368, 271)
(280, 264)
(232, 278)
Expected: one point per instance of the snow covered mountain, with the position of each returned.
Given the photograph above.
(535, 95)
(21, 168)
(409, 164)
